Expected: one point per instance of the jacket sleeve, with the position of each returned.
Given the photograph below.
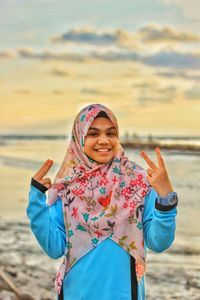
(46, 222)
(159, 223)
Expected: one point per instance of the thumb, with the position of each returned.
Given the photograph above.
(48, 185)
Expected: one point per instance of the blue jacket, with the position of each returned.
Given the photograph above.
(104, 272)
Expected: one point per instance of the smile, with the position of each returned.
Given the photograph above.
(102, 150)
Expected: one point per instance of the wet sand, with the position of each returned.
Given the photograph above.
(170, 275)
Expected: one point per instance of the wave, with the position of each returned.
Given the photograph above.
(23, 163)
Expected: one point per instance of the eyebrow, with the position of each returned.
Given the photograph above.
(94, 128)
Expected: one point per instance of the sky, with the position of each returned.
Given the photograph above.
(140, 58)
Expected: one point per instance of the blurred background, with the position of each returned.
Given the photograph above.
(141, 59)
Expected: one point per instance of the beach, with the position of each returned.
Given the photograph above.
(173, 274)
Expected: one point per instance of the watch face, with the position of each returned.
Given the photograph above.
(173, 199)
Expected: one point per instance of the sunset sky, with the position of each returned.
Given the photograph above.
(139, 57)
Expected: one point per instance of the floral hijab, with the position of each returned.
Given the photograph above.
(99, 200)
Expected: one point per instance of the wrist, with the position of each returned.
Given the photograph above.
(164, 191)
(38, 185)
(164, 194)
(170, 199)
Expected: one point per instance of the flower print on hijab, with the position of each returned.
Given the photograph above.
(100, 200)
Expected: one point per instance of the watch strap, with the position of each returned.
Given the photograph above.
(168, 202)
(38, 185)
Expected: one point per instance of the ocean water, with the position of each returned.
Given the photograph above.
(176, 269)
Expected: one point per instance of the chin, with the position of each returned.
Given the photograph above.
(103, 161)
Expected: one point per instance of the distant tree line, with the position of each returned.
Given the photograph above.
(134, 137)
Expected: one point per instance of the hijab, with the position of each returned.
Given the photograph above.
(100, 200)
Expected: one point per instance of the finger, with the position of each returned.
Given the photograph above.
(149, 172)
(43, 169)
(44, 164)
(48, 185)
(45, 180)
(149, 178)
(160, 158)
(148, 160)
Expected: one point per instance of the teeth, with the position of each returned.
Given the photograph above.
(103, 150)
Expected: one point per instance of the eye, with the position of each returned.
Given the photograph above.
(112, 133)
(92, 134)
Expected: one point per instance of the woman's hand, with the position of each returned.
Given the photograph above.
(42, 172)
(158, 176)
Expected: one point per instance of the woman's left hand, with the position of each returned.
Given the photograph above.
(158, 176)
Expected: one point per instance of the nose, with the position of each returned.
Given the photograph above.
(103, 139)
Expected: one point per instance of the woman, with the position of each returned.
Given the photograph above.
(102, 212)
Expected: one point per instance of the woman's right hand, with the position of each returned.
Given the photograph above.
(42, 172)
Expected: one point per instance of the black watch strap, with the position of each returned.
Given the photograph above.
(38, 185)
(165, 207)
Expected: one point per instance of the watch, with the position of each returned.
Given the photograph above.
(170, 199)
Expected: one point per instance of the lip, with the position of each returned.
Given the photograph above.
(103, 153)
(103, 149)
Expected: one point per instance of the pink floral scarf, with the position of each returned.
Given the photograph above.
(99, 200)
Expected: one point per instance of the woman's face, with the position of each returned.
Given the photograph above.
(101, 141)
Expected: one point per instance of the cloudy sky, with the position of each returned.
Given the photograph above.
(139, 57)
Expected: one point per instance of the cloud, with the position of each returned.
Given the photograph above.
(22, 91)
(60, 73)
(173, 59)
(193, 93)
(163, 59)
(92, 91)
(148, 93)
(144, 99)
(143, 85)
(179, 74)
(58, 92)
(151, 33)
(168, 90)
(106, 55)
(86, 36)
(154, 34)
(92, 37)
(116, 55)
(7, 54)
(29, 53)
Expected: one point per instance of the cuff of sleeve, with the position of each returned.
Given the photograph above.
(38, 185)
(165, 207)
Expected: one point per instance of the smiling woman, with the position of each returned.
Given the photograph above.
(101, 207)
(101, 141)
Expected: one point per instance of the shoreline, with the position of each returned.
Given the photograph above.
(149, 142)
(152, 145)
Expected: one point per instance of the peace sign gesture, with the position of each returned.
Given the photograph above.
(157, 175)
(42, 172)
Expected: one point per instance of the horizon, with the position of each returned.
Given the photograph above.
(130, 135)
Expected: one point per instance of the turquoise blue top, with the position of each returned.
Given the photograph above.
(104, 272)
